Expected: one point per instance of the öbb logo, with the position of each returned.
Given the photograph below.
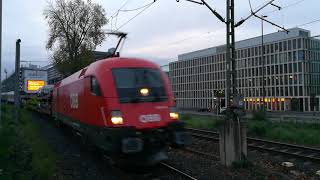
(150, 118)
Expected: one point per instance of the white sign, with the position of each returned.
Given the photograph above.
(150, 118)
(74, 103)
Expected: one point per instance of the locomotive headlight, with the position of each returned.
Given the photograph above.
(144, 92)
(174, 113)
(116, 117)
(117, 120)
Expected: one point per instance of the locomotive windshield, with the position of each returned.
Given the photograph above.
(130, 82)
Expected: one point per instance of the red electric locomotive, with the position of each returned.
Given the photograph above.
(124, 106)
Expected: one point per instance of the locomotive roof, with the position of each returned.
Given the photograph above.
(117, 62)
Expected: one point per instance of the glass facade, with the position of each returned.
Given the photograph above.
(292, 73)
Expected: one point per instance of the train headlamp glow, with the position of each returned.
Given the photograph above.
(144, 92)
(116, 117)
(117, 120)
(174, 115)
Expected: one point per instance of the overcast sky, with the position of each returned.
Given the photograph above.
(160, 33)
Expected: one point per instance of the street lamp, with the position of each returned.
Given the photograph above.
(263, 64)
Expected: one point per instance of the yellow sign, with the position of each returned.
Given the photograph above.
(35, 85)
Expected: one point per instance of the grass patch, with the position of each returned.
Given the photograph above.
(201, 122)
(289, 132)
(304, 134)
(24, 154)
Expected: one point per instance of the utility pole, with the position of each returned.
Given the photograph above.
(263, 67)
(17, 80)
(0, 63)
(233, 144)
(230, 54)
(232, 135)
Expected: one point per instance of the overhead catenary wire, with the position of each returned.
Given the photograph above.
(114, 17)
(122, 6)
(135, 9)
(144, 9)
(116, 13)
(200, 35)
(285, 7)
(209, 32)
(308, 23)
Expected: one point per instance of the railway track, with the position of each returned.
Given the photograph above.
(177, 171)
(298, 151)
(207, 155)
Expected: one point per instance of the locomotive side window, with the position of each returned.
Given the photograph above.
(95, 88)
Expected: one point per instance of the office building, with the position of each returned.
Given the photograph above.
(292, 73)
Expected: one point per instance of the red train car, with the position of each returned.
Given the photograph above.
(124, 106)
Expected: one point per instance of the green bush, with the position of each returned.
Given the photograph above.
(259, 115)
(24, 154)
(186, 117)
(257, 131)
(201, 122)
(32, 103)
(304, 134)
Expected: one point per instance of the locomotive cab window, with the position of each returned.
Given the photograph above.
(139, 85)
(95, 88)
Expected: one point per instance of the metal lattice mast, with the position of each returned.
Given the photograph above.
(232, 139)
(231, 83)
(0, 60)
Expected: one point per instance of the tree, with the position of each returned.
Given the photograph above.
(75, 30)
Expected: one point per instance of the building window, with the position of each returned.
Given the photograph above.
(294, 55)
(290, 80)
(289, 45)
(299, 43)
(295, 91)
(276, 59)
(285, 68)
(290, 67)
(295, 77)
(300, 79)
(289, 56)
(301, 55)
(295, 69)
(285, 80)
(300, 91)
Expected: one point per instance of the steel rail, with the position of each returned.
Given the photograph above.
(200, 153)
(178, 171)
(277, 147)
